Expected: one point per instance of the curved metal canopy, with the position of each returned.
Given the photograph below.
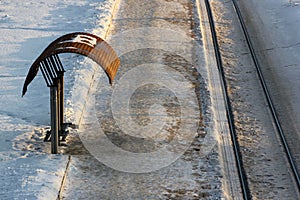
(85, 44)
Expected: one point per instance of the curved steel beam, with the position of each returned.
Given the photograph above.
(85, 44)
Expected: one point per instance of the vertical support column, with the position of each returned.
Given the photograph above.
(60, 106)
(57, 80)
(61, 99)
(54, 117)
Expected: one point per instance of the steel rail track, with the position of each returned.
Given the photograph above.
(242, 176)
(267, 94)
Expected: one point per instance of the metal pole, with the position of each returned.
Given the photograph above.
(54, 122)
(61, 103)
(58, 107)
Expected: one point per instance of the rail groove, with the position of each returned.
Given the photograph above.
(240, 168)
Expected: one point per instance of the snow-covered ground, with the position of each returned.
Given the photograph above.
(138, 128)
(26, 28)
(277, 27)
(28, 171)
(264, 161)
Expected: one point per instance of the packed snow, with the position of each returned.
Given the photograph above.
(28, 171)
(277, 23)
(26, 28)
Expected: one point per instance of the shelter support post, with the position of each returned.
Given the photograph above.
(86, 44)
(54, 117)
(61, 101)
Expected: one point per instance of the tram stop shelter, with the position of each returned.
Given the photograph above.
(53, 71)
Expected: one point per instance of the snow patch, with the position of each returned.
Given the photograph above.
(26, 28)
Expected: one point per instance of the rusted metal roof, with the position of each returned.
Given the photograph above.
(85, 44)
